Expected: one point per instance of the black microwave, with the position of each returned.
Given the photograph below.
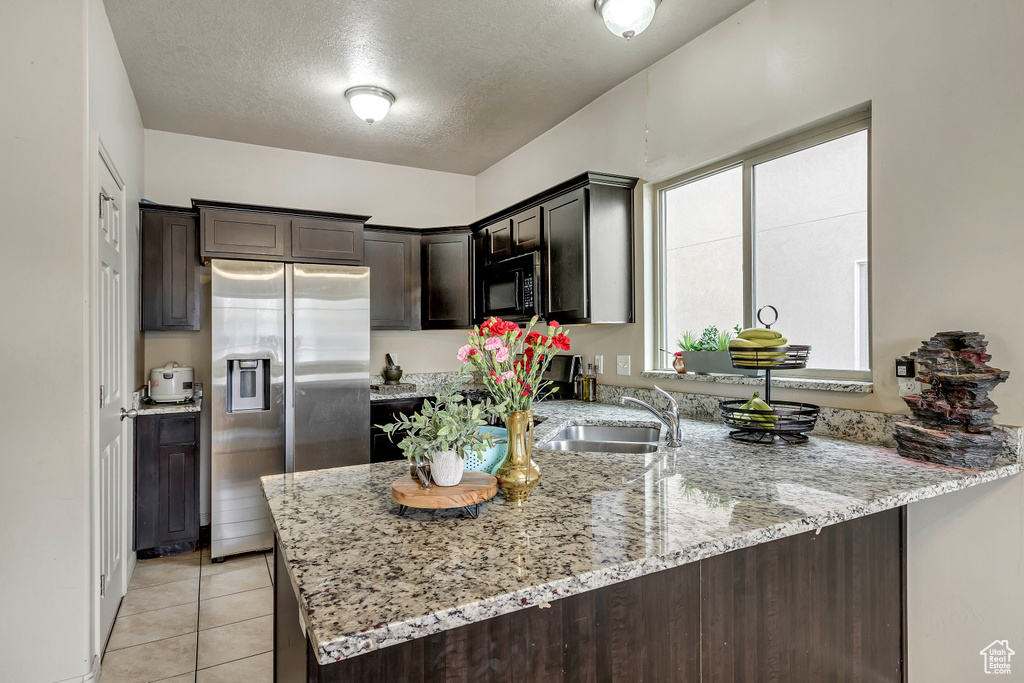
(510, 289)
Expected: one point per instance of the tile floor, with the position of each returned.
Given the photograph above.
(188, 620)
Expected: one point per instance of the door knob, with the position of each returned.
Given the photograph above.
(129, 413)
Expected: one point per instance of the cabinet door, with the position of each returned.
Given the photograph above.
(476, 282)
(393, 259)
(170, 272)
(166, 500)
(566, 263)
(384, 448)
(499, 240)
(526, 230)
(324, 240)
(178, 507)
(228, 233)
(445, 267)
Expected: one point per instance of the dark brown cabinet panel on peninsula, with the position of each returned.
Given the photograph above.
(825, 605)
(394, 262)
(445, 262)
(320, 240)
(166, 484)
(169, 272)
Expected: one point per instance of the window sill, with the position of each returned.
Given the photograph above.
(848, 386)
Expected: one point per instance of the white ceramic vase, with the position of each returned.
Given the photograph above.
(446, 468)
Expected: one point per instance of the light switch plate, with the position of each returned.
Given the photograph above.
(598, 365)
(622, 365)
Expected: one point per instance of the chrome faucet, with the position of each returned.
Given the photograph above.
(669, 417)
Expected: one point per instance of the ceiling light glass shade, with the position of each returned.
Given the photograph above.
(369, 102)
(626, 18)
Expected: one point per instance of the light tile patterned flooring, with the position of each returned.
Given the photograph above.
(188, 620)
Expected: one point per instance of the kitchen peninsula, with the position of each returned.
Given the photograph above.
(712, 561)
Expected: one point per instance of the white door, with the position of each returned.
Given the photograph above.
(111, 393)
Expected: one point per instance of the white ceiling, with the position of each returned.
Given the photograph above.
(474, 79)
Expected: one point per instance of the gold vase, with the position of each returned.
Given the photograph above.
(518, 474)
(679, 365)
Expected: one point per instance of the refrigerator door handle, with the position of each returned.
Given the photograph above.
(289, 368)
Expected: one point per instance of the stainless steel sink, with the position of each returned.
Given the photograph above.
(599, 446)
(605, 439)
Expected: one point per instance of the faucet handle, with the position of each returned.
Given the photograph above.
(672, 402)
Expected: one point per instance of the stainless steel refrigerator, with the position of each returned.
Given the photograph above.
(291, 384)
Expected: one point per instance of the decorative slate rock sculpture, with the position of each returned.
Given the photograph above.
(952, 422)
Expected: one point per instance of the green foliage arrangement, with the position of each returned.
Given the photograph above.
(449, 423)
(709, 340)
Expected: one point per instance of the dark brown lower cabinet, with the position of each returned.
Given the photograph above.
(383, 447)
(811, 608)
(166, 484)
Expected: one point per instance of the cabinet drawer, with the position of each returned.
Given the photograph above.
(234, 233)
(320, 239)
(384, 412)
(177, 430)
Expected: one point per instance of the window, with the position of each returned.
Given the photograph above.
(785, 224)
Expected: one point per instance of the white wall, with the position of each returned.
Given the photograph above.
(943, 79)
(114, 118)
(44, 520)
(180, 168)
(62, 79)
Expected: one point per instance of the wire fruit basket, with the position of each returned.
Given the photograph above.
(787, 422)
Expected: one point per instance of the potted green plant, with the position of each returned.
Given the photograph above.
(708, 353)
(442, 432)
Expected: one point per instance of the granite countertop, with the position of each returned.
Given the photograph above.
(421, 391)
(367, 579)
(193, 406)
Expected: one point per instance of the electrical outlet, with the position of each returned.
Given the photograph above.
(622, 365)
(908, 386)
(599, 365)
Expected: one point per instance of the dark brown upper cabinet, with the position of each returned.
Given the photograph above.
(394, 261)
(169, 274)
(499, 240)
(526, 231)
(445, 262)
(329, 241)
(244, 234)
(588, 255)
(567, 278)
(584, 230)
(268, 233)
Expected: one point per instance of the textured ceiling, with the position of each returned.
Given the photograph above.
(474, 79)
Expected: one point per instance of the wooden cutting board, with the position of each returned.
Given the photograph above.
(475, 488)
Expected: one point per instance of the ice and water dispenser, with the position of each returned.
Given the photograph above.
(248, 384)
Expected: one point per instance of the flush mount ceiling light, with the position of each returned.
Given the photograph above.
(369, 102)
(626, 18)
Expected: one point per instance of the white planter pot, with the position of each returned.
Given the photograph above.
(446, 468)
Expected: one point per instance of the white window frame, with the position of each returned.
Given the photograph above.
(790, 143)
